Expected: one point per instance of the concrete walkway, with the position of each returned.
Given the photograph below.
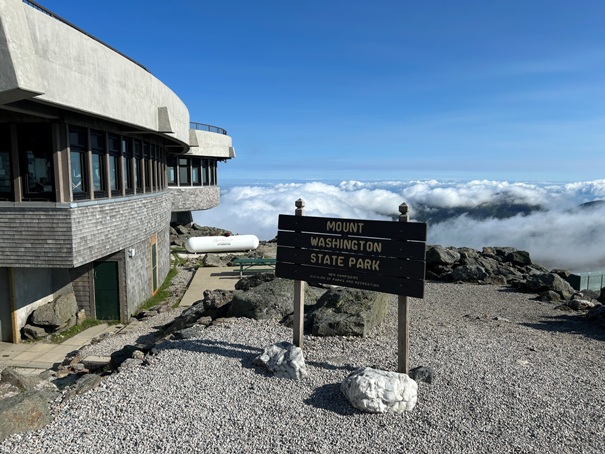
(31, 358)
(209, 278)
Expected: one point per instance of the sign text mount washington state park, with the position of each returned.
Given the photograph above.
(372, 255)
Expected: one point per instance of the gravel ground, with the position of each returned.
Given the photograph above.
(511, 375)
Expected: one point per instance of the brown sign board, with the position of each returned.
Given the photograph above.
(383, 256)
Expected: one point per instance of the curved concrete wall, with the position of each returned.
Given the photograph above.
(211, 144)
(47, 60)
(195, 198)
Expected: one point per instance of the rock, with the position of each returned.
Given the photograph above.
(85, 383)
(378, 391)
(272, 299)
(601, 298)
(284, 360)
(14, 378)
(495, 280)
(216, 302)
(550, 281)
(80, 316)
(438, 255)
(518, 258)
(597, 315)
(217, 260)
(188, 317)
(182, 230)
(58, 314)
(468, 273)
(422, 373)
(254, 280)
(24, 412)
(193, 332)
(347, 312)
(126, 353)
(33, 332)
(581, 305)
(550, 295)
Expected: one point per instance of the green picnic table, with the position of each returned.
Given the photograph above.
(246, 265)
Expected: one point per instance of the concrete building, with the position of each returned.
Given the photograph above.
(95, 155)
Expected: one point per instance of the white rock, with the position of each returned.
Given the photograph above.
(284, 359)
(379, 391)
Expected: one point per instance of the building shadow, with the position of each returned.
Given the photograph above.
(244, 353)
(572, 324)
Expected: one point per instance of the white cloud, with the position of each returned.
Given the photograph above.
(555, 237)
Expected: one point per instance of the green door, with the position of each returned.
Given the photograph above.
(107, 291)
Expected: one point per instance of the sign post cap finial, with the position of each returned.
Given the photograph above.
(300, 203)
(403, 208)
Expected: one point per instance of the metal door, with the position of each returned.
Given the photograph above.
(107, 291)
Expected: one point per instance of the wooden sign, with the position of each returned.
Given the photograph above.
(383, 256)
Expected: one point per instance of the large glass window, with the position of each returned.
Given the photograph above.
(98, 147)
(113, 142)
(183, 172)
(148, 167)
(205, 173)
(78, 150)
(171, 171)
(127, 161)
(138, 166)
(35, 147)
(6, 180)
(196, 172)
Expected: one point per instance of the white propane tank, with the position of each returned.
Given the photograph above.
(233, 243)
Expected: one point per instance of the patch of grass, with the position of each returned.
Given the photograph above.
(76, 329)
(162, 292)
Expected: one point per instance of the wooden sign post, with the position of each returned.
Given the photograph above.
(403, 320)
(299, 294)
(382, 256)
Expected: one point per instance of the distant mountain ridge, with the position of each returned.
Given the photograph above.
(435, 215)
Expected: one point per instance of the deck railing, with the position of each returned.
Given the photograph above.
(204, 127)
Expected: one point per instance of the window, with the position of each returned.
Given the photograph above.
(97, 145)
(196, 172)
(139, 167)
(78, 149)
(148, 167)
(127, 164)
(154, 265)
(35, 147)
(6, 181)
(171, 171)
(205, 174)
(114, 164)
(183, 172)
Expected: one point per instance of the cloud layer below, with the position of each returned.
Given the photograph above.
(559, 235)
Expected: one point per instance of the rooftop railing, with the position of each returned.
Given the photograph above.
(60, 19)
(210, 128)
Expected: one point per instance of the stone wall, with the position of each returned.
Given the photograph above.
(195, 198)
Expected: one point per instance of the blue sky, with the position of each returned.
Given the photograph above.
(339, 90)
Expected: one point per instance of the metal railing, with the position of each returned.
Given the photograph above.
(204, 127)
(60, 19)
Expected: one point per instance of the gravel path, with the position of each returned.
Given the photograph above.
(512, 375)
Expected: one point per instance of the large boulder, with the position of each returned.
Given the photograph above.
(24, 412)
(347, 312)
(379, 391)
(270, 299)
(59, 314)
(438, 255)
(549, 281)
